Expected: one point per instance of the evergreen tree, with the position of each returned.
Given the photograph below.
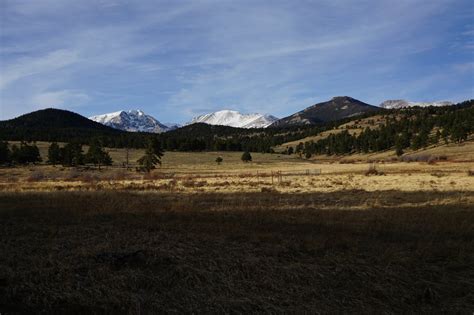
(97, 155)
(54, 154)
(399, 146)
(5, 153)
(444, 135)
(152, 156)
(72, 154)
(219, 160)
(299, 149)
(246, 157)
(157, 148)
(436, 137)
(459, 133)
(25, 154)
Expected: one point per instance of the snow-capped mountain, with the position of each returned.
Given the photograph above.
(396, 104)
(132, 120)
(233, 118)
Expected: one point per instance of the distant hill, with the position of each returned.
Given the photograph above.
(60, 125)
(337, 108)
(397, 130)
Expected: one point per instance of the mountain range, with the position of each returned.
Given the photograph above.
(335, 109)
(340, 107)
(65, 126)
(397, 104)
(137, 121)
(233, 118)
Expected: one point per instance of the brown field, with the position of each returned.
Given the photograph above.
(280, 234)
(137, 252)
(198, 172)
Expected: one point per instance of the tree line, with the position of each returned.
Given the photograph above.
(72, 154)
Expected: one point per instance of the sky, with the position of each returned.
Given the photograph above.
(177, 59)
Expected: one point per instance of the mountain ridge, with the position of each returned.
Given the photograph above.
(235, 119)
(134, 120)
(399, 103)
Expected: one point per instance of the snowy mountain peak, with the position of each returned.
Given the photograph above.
(396, 104)
(131, 120)
(234, 118)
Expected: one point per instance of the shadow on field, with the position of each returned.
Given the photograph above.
(351, 251)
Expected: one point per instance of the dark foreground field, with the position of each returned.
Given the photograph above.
(349, 251)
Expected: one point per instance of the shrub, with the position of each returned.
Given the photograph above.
(373, 171)
(268, 190)
(246, 157)
(36, 176)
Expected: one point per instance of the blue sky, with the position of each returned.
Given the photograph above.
(176, 59)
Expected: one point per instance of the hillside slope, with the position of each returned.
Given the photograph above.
(55, 125)
(337, 108)
(399, 130)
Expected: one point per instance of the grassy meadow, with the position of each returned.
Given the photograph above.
(364, 234)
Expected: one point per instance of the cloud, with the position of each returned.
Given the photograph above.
(464, 67)
(29, 66)
(59, 99)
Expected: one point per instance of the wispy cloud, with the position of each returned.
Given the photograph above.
(59, 99)
(29, 66)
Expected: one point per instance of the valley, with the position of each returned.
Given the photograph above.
(189, 172)
(332, 217)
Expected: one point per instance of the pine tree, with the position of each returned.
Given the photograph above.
(54, 154)
(72, 154)
(152, 156)
(299, 149)
(399, 146)
(97, 155)
(25, 154)
(219, 160)
(5, 153)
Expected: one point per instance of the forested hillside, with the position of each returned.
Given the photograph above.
(65, 126)
(413, 128)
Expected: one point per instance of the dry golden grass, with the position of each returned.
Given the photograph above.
(354, 127)
(197, 172)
